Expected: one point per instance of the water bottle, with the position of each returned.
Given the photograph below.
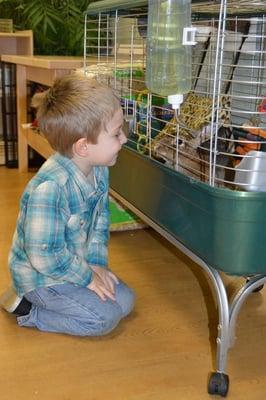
(168, 66)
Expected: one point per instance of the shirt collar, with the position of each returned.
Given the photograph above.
(81, 180)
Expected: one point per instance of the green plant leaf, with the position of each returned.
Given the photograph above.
(57, 24)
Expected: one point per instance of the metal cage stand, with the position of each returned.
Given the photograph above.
(228, 311)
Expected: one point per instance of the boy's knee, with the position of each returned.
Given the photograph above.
(126, 298)
(108, 326)
(99, 327)
(130, 302)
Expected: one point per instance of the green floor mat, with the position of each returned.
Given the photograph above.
(122, 219)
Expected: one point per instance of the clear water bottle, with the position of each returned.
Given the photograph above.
(168, 66)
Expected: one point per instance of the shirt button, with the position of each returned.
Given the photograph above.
(44, 246)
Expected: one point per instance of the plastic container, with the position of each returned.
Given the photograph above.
(168, 68)
(251, 172)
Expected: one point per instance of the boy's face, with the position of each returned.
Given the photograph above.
(109, 143)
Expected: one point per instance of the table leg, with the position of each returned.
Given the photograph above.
(22, 118)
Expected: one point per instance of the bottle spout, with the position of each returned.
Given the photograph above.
(175, 100)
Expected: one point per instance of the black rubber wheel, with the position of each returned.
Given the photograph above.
(258, 289)
(218, 384)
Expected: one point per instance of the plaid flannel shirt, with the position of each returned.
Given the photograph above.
(62, 227)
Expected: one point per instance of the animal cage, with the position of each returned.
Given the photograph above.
(198, 176)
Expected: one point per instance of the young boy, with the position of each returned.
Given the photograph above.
(58, 259)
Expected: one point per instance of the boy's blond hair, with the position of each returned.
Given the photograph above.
(74, 107)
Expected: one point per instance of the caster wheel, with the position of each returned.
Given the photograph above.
(218, 384)
(258, 289)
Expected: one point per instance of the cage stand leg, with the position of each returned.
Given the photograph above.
(228, 312)
(219, 381)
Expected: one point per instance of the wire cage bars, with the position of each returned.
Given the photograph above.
(219, 136)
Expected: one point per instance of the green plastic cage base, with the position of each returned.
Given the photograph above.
(225, 228)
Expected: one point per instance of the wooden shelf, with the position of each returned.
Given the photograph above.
(37, 142)
(47, 62)
(40, 69)
(20, 42)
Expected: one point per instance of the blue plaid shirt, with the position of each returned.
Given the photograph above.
(62, 227)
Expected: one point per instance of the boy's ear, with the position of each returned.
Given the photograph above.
(81, 147)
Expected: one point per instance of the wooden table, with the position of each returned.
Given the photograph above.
(40, 69)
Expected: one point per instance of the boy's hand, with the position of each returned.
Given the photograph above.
(103, 283)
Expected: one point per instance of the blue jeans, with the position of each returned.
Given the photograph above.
(75, 310)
